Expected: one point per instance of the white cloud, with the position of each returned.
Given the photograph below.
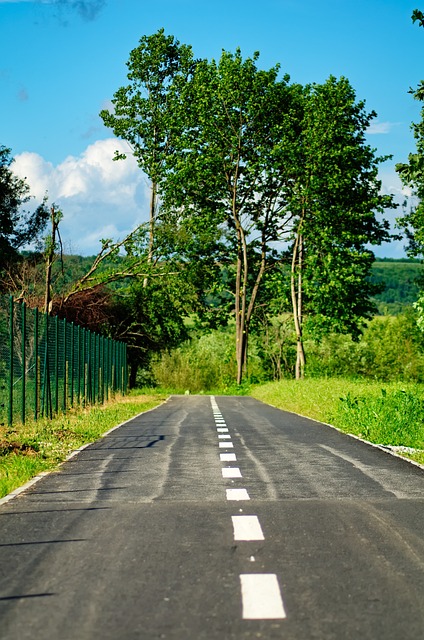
(381, 127)
(99, 197)
(391, 184)
(103, 198)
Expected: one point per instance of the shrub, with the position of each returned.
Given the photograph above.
(204, 363)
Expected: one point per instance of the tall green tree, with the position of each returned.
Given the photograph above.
(412, 175)
(229, 173)
(143, 112)
(335, 196)
(17, 226)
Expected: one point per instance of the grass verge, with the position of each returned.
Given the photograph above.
(389, 414)
(26, 450)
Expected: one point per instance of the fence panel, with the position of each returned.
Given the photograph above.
(48, 365)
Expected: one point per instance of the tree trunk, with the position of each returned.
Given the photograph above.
(133, 375)
(296, 296)
(152, 219)
(240, 305)
(50, 251)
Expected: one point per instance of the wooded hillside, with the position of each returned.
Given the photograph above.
(401, 279)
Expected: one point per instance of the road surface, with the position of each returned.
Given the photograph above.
(217, 518)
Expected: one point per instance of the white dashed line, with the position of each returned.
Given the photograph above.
(247, 528)
(237, 494)
(261, 597)
(231, 472)
(260, 592)
(227, 457)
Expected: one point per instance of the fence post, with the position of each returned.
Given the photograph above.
(64, 364)
(93, 367)
(125, 367)
(36, 363)
(11, 312)
(79, 364)
(110, 366)
(83, 368)
(121, 366)
(97, 371)
(102, 366)
(56, 363)
(23, 331)
(105, 368)
(71, 364)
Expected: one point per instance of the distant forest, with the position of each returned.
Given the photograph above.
(401, 279)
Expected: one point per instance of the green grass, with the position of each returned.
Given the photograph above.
(383, 413)
(26, 450)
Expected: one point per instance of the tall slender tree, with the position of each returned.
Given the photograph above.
(143, 113)
(335, 196)
(229, 173)
(412, 175)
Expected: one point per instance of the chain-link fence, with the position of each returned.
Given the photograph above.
(48, 365)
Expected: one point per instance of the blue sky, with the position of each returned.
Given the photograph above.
(62, 60)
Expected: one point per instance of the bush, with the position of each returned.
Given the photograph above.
(205, 363)
(391, 348)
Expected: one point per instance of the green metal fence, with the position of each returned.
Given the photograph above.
(48, 365)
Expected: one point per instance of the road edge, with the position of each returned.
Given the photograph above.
(16, 492)
(381, 447)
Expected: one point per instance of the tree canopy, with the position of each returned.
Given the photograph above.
(242, 160)
(335, 195)
(412, 174)
(18, 227)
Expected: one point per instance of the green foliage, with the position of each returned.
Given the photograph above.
(395, 418)
(418, 16)
(229, 174)
(17, 227)
(412, 175)
(337, 198)
(400, 279)
(149, 319)
(391, 348)
(205, 364)
(239, 158)
(143, 113)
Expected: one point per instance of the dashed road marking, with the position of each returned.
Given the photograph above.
(237, 494)
(247, 528)
(227, 457)
(260, 592)
(224, 436)
(261, 597)
(231, 472)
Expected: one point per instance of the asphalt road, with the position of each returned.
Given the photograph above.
(162, 529)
